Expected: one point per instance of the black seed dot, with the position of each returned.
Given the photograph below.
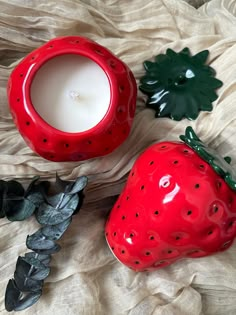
(27, 123)
(89, 142)
(106, 149)
(147, 253)
(136, 262)
(112, 64)
(230, 199)
(151, 237)
(114, 233)
(165, 184)
(216, 209)
(218, 184)
(201, 166)
(123, 217)
(169, 251)
(112, 248)
(189, 212)
(18, 99)
(231, 223)
(142, 187)
(120, 110)
(121, 88)
(163, 146)
(67, 145)
(127, 198)
(51, 156)
(176, 162)
(106, 233)
(132, 174)
(131, 235)
(110, 132)
(45, 140)
(151, 163)
(122, 251)
(136, 214)
(197, 186)
(177, 238)
(210, 232)
(118, 206)
(156, 212)
(185, 151)
(21, 75)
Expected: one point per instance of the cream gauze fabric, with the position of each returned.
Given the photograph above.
(86, 279)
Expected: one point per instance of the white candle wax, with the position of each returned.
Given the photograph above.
(71, 93)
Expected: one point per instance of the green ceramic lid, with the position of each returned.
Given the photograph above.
(179, 85)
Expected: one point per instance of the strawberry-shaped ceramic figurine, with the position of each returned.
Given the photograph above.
(179, 201)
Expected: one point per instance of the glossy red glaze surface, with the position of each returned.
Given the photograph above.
(100, 140)
(173, 206)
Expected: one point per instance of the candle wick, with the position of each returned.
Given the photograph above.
(74, 95)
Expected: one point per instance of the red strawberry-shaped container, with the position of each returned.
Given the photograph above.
(57, 145)
(179, 201)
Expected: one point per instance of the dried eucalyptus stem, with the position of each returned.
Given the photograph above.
(55, 215)
(18, 204)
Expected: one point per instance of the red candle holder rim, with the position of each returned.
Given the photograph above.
(78, 50)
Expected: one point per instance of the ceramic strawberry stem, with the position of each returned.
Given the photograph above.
(220, 165)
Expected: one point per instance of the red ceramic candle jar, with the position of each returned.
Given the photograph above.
(107, 127)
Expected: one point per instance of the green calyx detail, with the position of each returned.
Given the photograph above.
(220, 165)
(179, 85)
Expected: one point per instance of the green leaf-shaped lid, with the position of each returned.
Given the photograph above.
(179, 85)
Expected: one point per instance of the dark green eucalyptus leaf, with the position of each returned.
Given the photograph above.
(36, 198)
(12, 296)
(49, 251)
(34, 261)
(26, 284)
(22, 267)
(20, 210)
(32, 184)
(37, 193)
(40, 274)
(39, 241)
(48, 215)
(28, 300)
(79, 185)
(69, 201)
(56, 200)
(55, 232)
(3, 189)
(40, 271)
(15, 188)
(2, 211)
(45, 259)
(60, 185)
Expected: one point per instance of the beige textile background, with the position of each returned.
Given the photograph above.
(85, 278)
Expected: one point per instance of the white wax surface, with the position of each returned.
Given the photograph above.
(71, 93)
